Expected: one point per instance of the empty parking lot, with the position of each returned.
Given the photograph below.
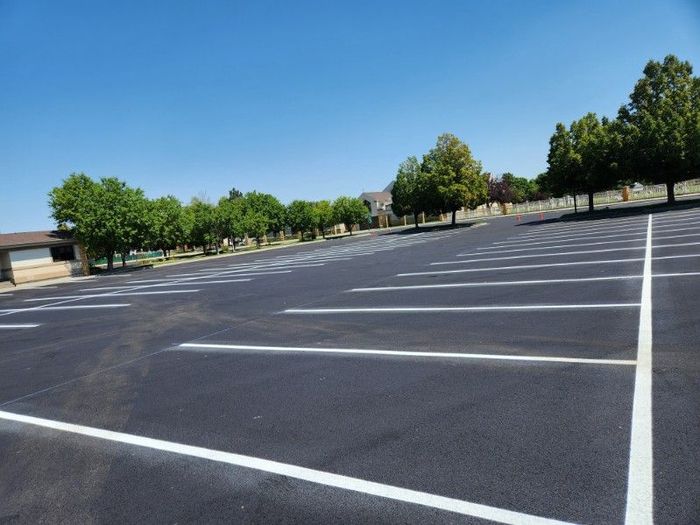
(514, 372)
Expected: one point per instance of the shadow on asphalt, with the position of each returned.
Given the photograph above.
(611, 213)
(433, 228)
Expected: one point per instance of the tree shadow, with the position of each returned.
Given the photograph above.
(618, 212)
(410, 230)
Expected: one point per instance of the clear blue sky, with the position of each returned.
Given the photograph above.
(303, 99)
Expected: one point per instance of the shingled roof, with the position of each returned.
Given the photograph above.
(34, 239)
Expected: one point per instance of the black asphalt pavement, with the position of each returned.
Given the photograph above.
(486, 373)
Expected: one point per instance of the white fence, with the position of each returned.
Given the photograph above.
(657, 191)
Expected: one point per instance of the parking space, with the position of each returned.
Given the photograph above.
(533, 372)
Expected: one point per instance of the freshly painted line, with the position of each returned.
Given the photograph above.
(502, 244)
(603, 229)
(436, 309)
(402, 353)
(17, 326)
(516, 283)
(617, 223)
(499, 249)
(319, 477)
(548, 265)
(640, 480)
(196, 280)
(72, 307)
(530, 256)
(519, 267)
(521, 240)
(118, 294)
(168, 283)
(560, 254)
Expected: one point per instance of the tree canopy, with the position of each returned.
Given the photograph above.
(350, 211)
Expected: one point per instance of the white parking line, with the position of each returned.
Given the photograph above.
(548, 265)
(516, 283)
(499, 249)
(71, 307)
(17, 326)
(167, 283)
(440, 309)
(402, 353)
(559, 254)
(502, 244)
(118, 294)
(640, 480)
(328, 479)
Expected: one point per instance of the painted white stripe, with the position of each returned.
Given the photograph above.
(118, 294)
(2, 295)
(640, 480)
(17, 326)
(516, 283)
(531, 255)
(548, 265)
(438, 309)
(598, 225)
(292, 471)
(197, 280)
(168, 283)
(72, 307)
(502, 244)
(404, 353)
(499, 249)
(560, 254)
(640, 229)
(588, 230)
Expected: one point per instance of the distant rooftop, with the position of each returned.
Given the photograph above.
(380, 196)
(32, 239)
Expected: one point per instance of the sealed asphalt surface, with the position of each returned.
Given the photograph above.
(543, 439)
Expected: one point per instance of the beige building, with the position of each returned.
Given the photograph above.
(35, 256)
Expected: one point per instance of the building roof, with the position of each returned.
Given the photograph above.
(34, 239)
(380, 196)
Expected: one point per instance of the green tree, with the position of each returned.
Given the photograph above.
(166, 226)
(301, 217)
(411, 192)
(350, 211)
(323, 213)
(663, 119)
(591, 162)
(230, 218)
(454, 174)
(104, 216)
(267, 206)
(255, 225)
(204, 228)
(561, 173)
(133, 215)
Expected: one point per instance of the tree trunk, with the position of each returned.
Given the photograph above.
(110, 261)
(454, 217)
(350, 229)
(415, 220)
(575, 207)
(590, 201)
(670, 192)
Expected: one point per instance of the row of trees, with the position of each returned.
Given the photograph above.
(511, 189)
(655, 138)
(447, 179)
(108, 217)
